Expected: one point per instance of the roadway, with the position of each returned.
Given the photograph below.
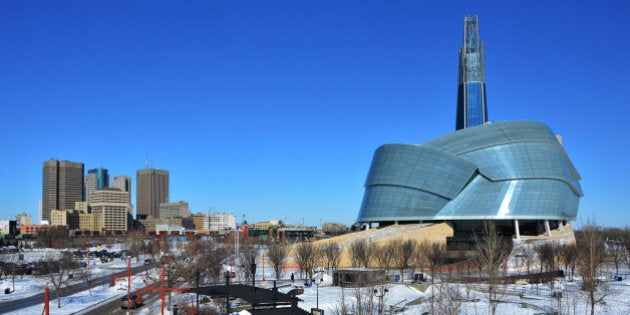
(13, 305)
(113, 306)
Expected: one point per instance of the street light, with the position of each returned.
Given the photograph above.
(317, 283)
(253, 271)
(380, 299)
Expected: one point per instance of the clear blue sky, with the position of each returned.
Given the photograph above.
(273, 109)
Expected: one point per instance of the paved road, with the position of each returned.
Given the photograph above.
(113, 307)
(9, 306)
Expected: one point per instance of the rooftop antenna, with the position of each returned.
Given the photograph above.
(148, 164)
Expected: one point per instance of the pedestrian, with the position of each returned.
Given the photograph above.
(292, 277)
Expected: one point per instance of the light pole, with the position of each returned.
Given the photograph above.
(317, 292)
(380, 299)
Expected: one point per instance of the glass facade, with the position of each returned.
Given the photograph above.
(508, 170)
(471, 92)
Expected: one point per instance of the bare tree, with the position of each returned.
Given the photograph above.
(209, 261)
(55, 236)
(10, 265)
(404, 251)
(546, 255)
(491, 250)
(590, 243)
(306, 257)
(528, 257)
(341, 308)
(449, 301)
(568, 254)
(435, 254)
(419, 257)
(135, 243)
(277, 254)
(58, 272)
(615, 246)
(384, 255)
(360, 254)
(247, 257)
(364, 299)
(332, 253)
(626, 242)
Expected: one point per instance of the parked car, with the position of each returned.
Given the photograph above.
(135, 299)
(296, 291)
(105, 259)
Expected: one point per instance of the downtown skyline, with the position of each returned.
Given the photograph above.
(274, 110)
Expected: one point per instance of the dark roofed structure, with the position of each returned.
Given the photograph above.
(261, 301)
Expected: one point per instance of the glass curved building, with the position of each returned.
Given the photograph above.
(515, 174)
(495, 171)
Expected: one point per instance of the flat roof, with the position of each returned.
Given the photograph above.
(256, 297)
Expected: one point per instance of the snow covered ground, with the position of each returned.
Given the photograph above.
(517, 299)
(407, 297)
(470, 299)
(31, 285)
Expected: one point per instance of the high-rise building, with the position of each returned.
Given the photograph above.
(471, 91)
(62, 186)
(151, 190)
(111, 208)
(97, 178)
(122, 182)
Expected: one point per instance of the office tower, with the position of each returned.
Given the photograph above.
(111, 208)
(122, 182)
(97, 178)
(151, 190)
(471, 91)
(62, 186)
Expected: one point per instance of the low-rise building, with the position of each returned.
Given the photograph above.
(68, 218)
(30, 229)
(177, 209)
(329, 228)
(201, 223)
(23, 219)
(221, 221)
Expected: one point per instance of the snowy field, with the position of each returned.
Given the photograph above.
(469, 299)
(407, 298)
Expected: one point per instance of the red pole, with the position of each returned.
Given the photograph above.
(46, 301)
(162, 288)
(263, 267)
(128, 284)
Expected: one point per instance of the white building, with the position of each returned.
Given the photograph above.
(4, 227)
(221, 221)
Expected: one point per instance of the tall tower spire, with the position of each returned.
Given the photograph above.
(471, 90)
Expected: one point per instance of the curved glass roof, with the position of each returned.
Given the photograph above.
(508, 170)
